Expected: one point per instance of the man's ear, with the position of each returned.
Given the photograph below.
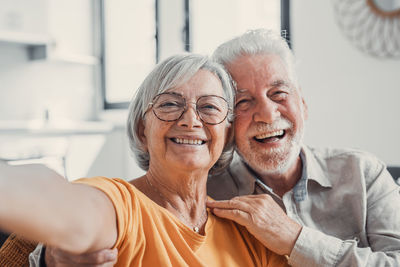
(141, 134)
(305, 108)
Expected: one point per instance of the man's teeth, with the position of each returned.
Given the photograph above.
(271, 134)
(188, 141)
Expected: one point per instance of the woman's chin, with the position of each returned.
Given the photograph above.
(191, 164)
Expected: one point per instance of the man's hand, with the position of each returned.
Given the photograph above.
(57, 258)
(263, 218)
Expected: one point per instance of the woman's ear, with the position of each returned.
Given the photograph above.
(141, 134)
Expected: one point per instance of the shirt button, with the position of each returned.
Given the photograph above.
(356, 239)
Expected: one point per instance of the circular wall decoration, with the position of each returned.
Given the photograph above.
(372, 25)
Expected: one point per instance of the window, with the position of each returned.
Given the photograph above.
(214, 22)
(137, 33)
(129, 48)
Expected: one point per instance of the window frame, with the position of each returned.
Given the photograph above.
(285, 24)
(285, 21)
(118, 105)
(285, 32)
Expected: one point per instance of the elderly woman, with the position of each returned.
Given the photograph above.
(179, 131)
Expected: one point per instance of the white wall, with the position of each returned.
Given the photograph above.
(28, 87)
(353, 98)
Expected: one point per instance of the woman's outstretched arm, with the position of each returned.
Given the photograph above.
(39, 204)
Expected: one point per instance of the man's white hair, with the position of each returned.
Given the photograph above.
(255, 42)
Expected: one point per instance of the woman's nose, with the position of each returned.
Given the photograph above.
(190, 118)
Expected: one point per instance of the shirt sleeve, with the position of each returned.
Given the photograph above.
(314, 248)
(36, 257)
(125, 204)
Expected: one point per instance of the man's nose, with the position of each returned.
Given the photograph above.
(266, 111)
(190, 118)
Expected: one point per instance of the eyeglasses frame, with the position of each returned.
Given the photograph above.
(151, 104)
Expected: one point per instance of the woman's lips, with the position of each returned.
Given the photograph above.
(185, 141)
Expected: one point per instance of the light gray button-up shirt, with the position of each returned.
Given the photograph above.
(347, 202)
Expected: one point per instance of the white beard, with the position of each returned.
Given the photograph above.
(276, 160)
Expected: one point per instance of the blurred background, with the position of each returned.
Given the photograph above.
(68, 69)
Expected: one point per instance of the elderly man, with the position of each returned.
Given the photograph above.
(320, 207)
(341, 206)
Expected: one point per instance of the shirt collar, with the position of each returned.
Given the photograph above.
(314, 169)
(245, 177)
(300, 192)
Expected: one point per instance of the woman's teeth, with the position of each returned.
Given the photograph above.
(278, 134)
(188, 141)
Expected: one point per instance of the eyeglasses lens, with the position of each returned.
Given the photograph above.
(170, 107)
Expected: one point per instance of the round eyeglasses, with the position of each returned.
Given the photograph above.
(170, 106)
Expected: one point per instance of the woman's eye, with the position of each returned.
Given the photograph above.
(209, 108)
(169, 104)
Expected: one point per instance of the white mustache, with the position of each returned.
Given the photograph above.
(281, 124)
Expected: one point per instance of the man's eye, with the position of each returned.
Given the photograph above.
(242, 102)
(279, 95)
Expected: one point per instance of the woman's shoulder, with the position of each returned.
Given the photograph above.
(115, 188)
(101, 181)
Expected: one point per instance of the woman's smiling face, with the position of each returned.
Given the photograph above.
(187, 143)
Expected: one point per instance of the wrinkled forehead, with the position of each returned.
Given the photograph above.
(251, 70)
(201, 82)
(175, 82)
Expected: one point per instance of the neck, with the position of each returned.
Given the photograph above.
(180, 187)
(184, 195)
(284, 182)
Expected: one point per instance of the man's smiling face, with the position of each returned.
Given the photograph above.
(269, 113)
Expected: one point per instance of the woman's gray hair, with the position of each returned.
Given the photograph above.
(255, 42)
(172, 73)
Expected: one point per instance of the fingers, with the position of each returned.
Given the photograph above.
(105, 257)
(234, 203)
(98, 257)
(235, 209)
(235, 215)
(251, 211)
(245, 203)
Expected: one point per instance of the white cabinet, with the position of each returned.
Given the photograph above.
(60, 30)
(23, 22)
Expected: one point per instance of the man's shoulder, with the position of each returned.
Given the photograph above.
(332, 154)
(222, 185)
(345, 161)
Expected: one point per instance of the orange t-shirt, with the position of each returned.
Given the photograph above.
(149, 235)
